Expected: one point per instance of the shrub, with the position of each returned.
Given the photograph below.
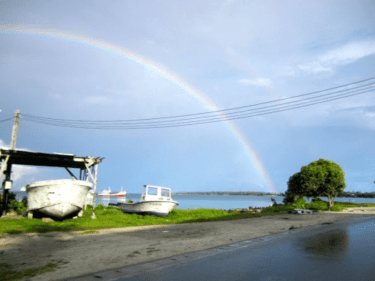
(13, 204)
(317, 205)
(100, 207)
(299, 203)
(278, 209)
(24, 201)
(336, 208)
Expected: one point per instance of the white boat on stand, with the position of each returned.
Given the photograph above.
(155, 200)
(54, 198)
(57, 198)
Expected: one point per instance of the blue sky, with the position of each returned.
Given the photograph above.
(233, 52)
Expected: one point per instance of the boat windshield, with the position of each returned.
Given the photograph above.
(152, 191)
(165, 192)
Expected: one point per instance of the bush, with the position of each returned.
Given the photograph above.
(278, 209)
(100, 207)
(336, 208)
(317, 205)
(299, 203)
(24, 201)
(13, 204)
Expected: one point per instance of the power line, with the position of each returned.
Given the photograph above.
(116, 125)
(227, 115)
(1, 121)
(180, 124)
(303, 100)
(214, 111)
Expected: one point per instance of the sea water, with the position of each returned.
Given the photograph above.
(224, 202)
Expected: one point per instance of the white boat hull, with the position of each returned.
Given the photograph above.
(57, 198)
(157, 208)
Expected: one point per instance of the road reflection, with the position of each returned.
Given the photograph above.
(329, 246)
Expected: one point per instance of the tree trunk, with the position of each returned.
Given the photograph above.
(331, 201)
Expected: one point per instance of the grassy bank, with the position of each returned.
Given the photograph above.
(112, 217)
(316, 206)
(7, 272)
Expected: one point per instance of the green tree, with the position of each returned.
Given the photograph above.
(295, 186)
(322, 178)
(294, 189)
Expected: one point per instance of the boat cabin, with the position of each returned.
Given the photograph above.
(156, 193)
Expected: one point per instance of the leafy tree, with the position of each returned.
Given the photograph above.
(295, 186)
(322, 178)
(295, 189)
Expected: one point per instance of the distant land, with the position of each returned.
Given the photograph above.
(253, 193)
(351, 194)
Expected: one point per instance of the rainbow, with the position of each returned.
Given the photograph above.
(172, 77)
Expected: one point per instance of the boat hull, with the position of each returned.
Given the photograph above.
(156, 208)
(57, 198)
(112, 195)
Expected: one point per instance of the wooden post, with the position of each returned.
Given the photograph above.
(93, 216)
(95, 183)
(15, 129)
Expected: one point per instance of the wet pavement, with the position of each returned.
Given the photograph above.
(333, 251)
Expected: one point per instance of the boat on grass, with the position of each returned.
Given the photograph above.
(155, 200)
(57, 198)
(108, 193)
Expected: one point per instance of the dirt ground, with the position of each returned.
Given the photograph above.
(84, 252)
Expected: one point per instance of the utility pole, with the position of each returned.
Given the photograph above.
(15, 129)
(7, 183)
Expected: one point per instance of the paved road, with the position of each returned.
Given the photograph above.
(338, 251)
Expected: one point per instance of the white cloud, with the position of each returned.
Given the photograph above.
(3, 145)
(344, 55)
(364, 116)
(261, 82)
(19, 172)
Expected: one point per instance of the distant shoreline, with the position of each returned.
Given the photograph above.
(254, 193)
(229, 193)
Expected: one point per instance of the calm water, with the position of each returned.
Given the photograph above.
(224, 202)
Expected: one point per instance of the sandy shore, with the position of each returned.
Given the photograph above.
(85, 252)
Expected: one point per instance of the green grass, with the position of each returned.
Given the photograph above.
(6, 272)
(112, 217)
(316, 206)
(320, 205)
